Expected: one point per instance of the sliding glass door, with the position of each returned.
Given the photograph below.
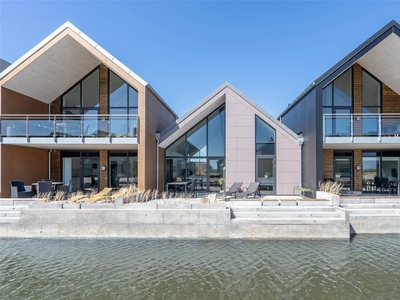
(82, 169)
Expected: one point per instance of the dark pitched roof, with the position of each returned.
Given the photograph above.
(350, 59)
(4, 65)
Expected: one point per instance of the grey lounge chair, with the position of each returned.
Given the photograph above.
(234, 189)
(18, 190)
(251, 190)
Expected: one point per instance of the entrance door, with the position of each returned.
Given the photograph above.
(82, 171)
(265, 173)
(343, 171)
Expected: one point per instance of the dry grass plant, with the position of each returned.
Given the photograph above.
(59, 196)
(46, 197)
(332, 187)
(205, 200)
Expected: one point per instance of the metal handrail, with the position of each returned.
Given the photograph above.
(61, 125)
(361, 125)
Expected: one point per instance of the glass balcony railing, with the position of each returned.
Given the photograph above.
(361, 125)
(118, 126)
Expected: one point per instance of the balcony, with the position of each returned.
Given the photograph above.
(70, 131)
(361, 131)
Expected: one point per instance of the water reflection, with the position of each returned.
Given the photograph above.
(366, 267)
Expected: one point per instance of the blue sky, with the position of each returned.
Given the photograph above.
(270, 50)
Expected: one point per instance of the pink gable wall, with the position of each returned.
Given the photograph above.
(240, 146)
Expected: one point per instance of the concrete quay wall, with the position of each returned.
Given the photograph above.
(160, 223)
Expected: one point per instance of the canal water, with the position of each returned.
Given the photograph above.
(367, 267)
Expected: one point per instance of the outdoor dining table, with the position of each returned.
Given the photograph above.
(53, 183)
(179, 183)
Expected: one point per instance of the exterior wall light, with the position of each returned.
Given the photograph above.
(358, 167)
(103, 168)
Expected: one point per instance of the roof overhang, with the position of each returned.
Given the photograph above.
(378, 54)
(57, 63)
(383, 61)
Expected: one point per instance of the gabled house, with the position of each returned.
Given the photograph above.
(70, 111)
(350, 118)
(227, 135)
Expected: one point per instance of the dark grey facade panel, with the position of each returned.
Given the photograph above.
(319, 134)
(302, 117)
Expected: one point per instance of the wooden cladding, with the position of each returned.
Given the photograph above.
(327, 163)
(391, 100)
(103, 89)
(357, 156)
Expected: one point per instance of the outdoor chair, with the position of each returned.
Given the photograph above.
(378, 184)
(18, 190)
(385, 185)
(63, 187)
(44, 187)
(251, 190)
(100, 195)
(193, 183)
(234, 189)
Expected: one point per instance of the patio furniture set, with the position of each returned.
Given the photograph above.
(19, 190)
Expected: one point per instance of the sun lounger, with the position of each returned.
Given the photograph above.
(251, 190)
(75, 199)
(99, 196)
(234, 189)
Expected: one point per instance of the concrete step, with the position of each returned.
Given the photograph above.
(9, 220)
(10, 213)
(12, 208)
(374, 211)
(282, 208)
(288, 221)
(285, 214)
(280, 202)
(361, 200)
(371, 206)
(374, 216)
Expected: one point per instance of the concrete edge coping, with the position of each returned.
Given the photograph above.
(344, 213)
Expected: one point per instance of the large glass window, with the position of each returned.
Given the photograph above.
(84, 94)
(371, 101)
(265, 156)
(123, 101)
(337, 99)
(265, 138)
(82, 99)
(196, 140)
(199, 154)
(123, 168)
(216, 134)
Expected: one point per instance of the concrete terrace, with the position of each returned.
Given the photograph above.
(282, 217)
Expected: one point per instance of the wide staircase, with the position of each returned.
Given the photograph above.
(10, 214)
(373, 214)
(284, 215)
